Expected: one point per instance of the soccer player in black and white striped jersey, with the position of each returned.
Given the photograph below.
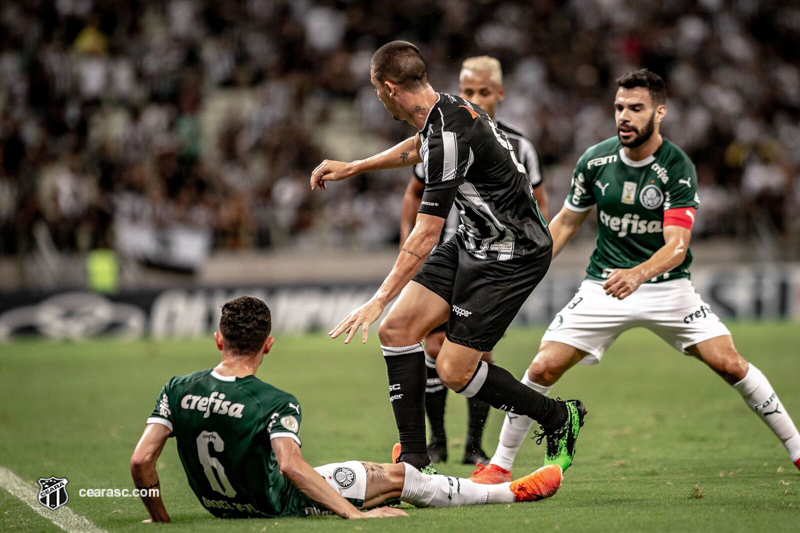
(480, 82)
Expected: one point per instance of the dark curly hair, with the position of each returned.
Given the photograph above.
(245, 325)
(649, 80)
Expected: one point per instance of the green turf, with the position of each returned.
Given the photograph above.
(667, 446)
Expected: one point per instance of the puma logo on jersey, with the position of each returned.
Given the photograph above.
(295, 407)
(600, 161)
(601, 187)
(629, 224)
(777, 410)
(213, 404)
(687, 181)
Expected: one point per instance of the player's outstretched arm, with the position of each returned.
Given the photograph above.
(310, 483)
(403, 154)
(419, 244)
(143, 469)
(411, 201)
(564, 227)
(623, 281)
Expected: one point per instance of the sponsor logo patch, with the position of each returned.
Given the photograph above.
(556, 323)
(700, 314)
(216, 403)
(461, 312)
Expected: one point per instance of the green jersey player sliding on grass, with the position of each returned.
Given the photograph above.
(239, 442)
(645, 190)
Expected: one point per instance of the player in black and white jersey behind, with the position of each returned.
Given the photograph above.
(480, 82)
(476, 281)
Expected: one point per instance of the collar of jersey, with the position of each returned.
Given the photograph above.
(631, 163)
(438, 99)
(220, 377)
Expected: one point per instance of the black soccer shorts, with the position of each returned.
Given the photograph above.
(484, 295)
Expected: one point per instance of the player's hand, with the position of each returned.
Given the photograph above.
(329, 171)
(383, 512)
(359, 318)
(622, 282)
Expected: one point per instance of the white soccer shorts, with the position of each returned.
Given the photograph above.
(349, 479)
(592, 320)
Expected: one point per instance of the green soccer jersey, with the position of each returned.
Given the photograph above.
(224, 427)
(631, 198)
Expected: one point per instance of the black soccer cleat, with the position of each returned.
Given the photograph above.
(474, 455)
(438, 451)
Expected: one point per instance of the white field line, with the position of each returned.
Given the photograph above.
(63, 517)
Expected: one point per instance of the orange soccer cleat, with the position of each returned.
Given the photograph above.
(537, 486)
(396, 449)
(490, 475)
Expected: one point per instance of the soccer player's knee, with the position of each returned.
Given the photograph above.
(390, 332)
(731, 366)
(542, 373)
(453, 375)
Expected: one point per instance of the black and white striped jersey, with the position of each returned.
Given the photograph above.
(468, 159)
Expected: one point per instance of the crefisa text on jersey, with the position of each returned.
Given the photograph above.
(213, 404)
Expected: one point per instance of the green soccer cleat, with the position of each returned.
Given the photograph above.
(561, 441)
(429, 470)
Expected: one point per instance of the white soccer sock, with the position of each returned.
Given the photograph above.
(515, 429)
(760, 396)
(425, 490)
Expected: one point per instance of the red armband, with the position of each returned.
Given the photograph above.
(679, 216)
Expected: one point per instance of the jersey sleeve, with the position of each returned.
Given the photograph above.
(530, 160)
(162, 413)
(581, 193)
(419, 172)
(446, 163)
(285, 421)
(681, 189)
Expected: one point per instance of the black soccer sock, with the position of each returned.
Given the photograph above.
(476, 421)
(406, 369)
(497, 387)
(435, 399)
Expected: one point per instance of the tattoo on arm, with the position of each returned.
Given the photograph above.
(374, 472)
(412, 253)
(404, 156)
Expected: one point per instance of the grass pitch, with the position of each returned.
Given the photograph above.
(667, 445)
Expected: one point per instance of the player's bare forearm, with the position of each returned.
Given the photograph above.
(622, 282)
(411, 202)
(544, 202)
(413, 253)
(564, 227)
(143, 470)
(403, 154)
(418, 245)
(308, 480)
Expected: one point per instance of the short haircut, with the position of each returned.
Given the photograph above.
(245, 325)
(484, 64)
(400, 62)
(649, 80)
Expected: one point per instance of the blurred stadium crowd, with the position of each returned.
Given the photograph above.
(210, 114)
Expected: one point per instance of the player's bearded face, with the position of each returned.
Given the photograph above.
(631, 136)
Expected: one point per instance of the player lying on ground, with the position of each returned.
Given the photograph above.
(238, 440)
(480, 82)
(645, 190)
(476, 281)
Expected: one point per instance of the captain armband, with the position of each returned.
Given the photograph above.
(679, 216)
